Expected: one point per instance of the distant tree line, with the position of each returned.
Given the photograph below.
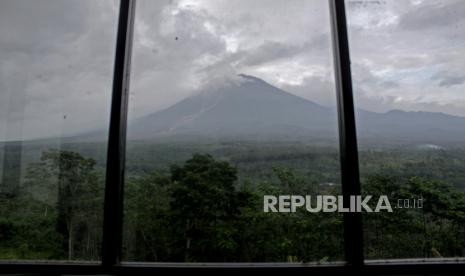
(200, 211)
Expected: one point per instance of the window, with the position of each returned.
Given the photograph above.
(55, 82)
(408, 86)
(230, 101)
(194, 207)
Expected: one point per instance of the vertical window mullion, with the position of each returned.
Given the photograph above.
(350, 180)
(114, 183)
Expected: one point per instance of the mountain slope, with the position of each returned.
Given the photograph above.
(411, 126)
(254, 108)
(250, 108)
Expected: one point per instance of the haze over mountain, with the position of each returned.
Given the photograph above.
(253, 108)
(250, 107)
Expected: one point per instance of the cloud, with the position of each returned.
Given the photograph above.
(57, 56)
(447, 80)
(407, 55)
(183, 47)
(433, 15)
(317, 89)
(57, 60)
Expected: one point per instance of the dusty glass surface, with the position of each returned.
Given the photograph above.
(55, 88)
(407, 64)
(230, 101)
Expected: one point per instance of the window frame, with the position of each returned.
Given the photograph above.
(114, 185)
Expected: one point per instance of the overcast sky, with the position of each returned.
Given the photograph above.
(56, 57)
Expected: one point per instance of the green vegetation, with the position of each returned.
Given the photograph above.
(184, 206)
(436, 230)
(57, 214)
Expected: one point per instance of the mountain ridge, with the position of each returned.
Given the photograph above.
(254, 108)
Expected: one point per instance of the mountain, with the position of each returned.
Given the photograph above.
(249, 108)
(411, 126)
(255, 109)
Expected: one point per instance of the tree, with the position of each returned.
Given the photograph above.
(434, 230)
(147, 231)
(205, 204)
(77, 201)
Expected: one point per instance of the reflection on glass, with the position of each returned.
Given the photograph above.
(408, 84)
(230, 101)
(55, 86)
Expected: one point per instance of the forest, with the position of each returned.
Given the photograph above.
(203, 202)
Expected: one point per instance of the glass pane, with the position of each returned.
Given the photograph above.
(407, 62)
(231, 101)
(55, 88)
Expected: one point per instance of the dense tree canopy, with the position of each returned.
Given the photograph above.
(210, 209)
